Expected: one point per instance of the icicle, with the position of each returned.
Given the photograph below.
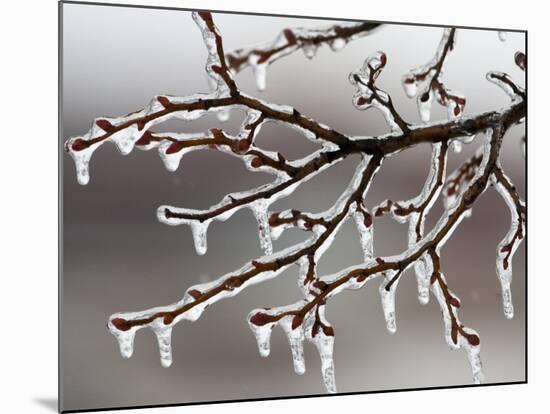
(502, 36)
(425, 106)
(164, 339)
(262, 331)
(81, 159)
(199, 230)
(171, 160)
(325, 346)
(263, 337)
(423, 271)
(259, 208)
(507, 303)
(125, 339)
(473, 352)
(365, 229)
(260, 75)
(126, 344)
(388, 301)
(295, 340)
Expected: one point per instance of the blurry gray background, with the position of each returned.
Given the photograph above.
(117, 257)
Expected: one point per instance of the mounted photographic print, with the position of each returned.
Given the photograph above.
(259, 207)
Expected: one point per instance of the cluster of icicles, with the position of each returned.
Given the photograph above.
(313, 326)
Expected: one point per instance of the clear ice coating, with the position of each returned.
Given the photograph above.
(504, 82)
(368, 95)
(416, 218)
(450, 315)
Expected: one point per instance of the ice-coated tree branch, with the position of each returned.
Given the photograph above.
(290, 40)
(306, 318)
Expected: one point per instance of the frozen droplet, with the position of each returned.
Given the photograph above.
(164, 339)
(337, 44)
(502, 36)
(310, 50)
(125, 139)
(171, 160)
(260, 75)
(199, 230)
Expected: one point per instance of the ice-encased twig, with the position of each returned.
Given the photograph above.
(290, 40)
(509, 244)
(425, 82)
